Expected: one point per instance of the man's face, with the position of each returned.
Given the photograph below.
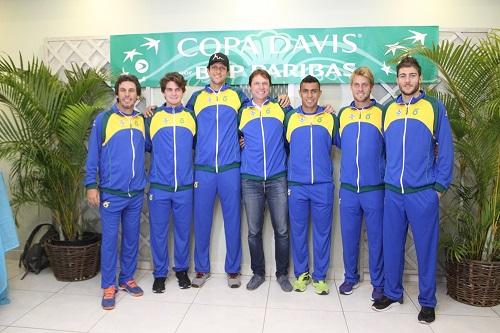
(173, 93)
(127, 95)
(361, 89)
(310, 94)
(217, 73)
(259, 87)
(408, 80)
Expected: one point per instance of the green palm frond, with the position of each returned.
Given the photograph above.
(44, 124)
(471, 93)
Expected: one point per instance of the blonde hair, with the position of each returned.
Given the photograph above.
(365, 72)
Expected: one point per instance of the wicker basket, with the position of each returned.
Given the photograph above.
(75, 261)
(474, 282)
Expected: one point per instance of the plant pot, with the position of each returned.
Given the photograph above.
(75, 260)
(474, 282)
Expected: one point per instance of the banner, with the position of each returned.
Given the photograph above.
(330, 54)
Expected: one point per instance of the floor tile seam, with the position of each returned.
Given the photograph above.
(267, 302)
(45, 329)
(304, 309)
(31, 309)
(231, 305)
(183, 317)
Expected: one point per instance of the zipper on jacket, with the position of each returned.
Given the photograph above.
(175, 154)
(216, 130)
(133, 154)
(404, 148)
(263, 142)
(311, 148)
(357, 149)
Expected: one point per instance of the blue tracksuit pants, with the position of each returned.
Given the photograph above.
(316, 202)
(353, 206)
(421, 211)
(227, 185)
(161, 203)
(116, 210)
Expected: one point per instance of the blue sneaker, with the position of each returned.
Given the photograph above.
(347, 287)
(132, 288)
(108, 298)
(377, 293)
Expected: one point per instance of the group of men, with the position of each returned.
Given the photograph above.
(262, 150)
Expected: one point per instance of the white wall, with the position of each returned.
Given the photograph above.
(24, 24)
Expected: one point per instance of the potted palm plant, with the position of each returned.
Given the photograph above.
(44, 125)
(471, 238)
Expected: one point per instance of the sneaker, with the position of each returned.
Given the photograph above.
(132, 288)
(347, 287)
(159, 285)
(255, 282)
(233, 280)
(284, 283)
(302, 281)
(200, 279)
(426, 315)
(108, 298)
(385, 303)
(183, 279)
(377, 293)
(321, 287)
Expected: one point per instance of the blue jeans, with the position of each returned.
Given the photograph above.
(255, 194)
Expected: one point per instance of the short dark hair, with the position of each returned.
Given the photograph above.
(261, 72)
(175, 77)
(128, 77)
(409, 62)
(310, 79)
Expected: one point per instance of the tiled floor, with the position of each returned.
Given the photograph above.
(41, 304)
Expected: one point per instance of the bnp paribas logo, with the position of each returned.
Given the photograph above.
(402, 46)
(135, 60)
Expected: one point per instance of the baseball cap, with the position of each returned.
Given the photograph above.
(218, 57)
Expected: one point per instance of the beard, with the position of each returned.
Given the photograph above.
(410, 90)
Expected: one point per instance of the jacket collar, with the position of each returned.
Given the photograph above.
(414, 100)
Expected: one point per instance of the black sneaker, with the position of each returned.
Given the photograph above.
(385, 303)
(159, 285)
(183, 279)
(426, 315)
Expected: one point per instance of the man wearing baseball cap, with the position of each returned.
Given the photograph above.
(217, 168)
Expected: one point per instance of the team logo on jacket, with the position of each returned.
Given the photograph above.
(368, 116)
(398, 113)
(268, 111)
(122, 123)
(105, 204)
(181, 121)
(224, 99)
(320, 119)
(415, 112)
(302, 119)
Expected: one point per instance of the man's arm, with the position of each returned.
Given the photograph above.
(92, 164)
(445, 158)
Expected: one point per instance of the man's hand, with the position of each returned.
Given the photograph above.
(148, 111)
(284, 101)
(242, 142)
(93, 197)
(329, 108)
(440, 194)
